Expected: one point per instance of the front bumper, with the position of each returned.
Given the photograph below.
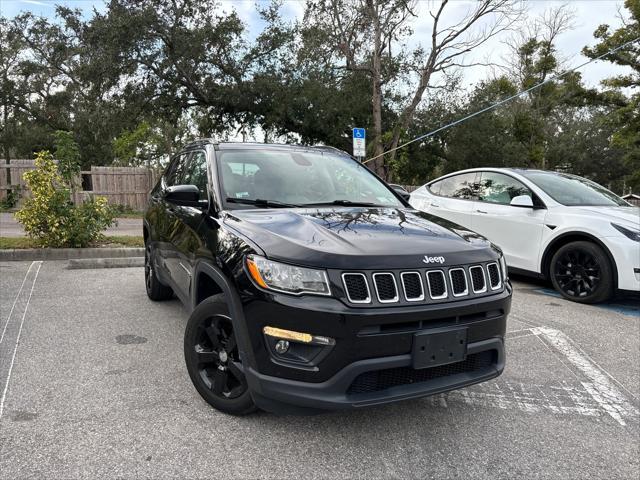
(287, 396)
(626, 254)
(371, 362)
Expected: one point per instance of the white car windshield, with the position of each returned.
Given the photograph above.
(288, 177)
(572, 190)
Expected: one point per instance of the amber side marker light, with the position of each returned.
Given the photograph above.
(255, 273)
(297, 336)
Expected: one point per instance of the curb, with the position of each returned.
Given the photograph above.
(27, 254)
(91, 263)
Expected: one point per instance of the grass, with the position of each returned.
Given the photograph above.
(108, 241)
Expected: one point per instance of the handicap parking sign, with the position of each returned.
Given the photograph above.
(359, 139)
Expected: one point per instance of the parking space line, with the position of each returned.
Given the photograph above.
(37, 265)
(6, 324)
(600, 385)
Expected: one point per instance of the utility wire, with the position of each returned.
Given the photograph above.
(502, 102)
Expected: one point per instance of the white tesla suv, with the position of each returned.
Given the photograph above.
(576, 233)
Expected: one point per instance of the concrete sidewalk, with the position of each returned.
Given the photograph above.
(9, 227)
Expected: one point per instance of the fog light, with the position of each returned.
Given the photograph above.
(282, 346)
(297, 336)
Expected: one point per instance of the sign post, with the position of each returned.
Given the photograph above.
(359, 143)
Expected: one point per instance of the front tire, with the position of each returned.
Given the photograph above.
(213, 362)
(582, 272)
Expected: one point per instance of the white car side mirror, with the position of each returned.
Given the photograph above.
(522, 201)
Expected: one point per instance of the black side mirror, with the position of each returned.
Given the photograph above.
(185, 196)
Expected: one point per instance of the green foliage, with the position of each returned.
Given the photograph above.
(11, 199)
(49, 216)
(625, 116)
(67, 154)
(131, 83)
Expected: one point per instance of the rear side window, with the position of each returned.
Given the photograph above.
(461, 186)
(499, 188)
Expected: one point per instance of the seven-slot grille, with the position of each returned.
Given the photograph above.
(414, 286)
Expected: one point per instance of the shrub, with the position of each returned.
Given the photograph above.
(11, 200)
(51, 218)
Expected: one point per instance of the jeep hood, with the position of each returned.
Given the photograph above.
(359, 238)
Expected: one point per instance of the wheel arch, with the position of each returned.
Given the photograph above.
(569, 237)
(205, 271)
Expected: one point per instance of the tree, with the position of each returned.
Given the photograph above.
(625, 116)
(363, 34)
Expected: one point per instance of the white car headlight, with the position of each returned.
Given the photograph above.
(503, 268)
(287, 278)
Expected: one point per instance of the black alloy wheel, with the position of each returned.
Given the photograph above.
(581, 272)
(213, 359)
(216, 352)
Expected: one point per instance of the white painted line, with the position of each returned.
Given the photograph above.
(4, 330)
(600, 385)
(15, 349)
(504, 395)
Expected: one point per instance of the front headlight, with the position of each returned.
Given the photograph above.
(287, 278)
(628, 232)
(503, 268)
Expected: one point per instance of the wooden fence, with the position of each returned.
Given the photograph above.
(128, 186)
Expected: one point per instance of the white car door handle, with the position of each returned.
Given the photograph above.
(435, 204)
(481, 211)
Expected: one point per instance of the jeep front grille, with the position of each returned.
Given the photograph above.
(421, 285)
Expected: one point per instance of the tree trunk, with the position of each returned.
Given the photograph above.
(376, 95)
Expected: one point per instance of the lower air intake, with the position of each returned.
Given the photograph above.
(379, 380)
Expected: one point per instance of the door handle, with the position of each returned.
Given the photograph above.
(481, 211)
(435, 205)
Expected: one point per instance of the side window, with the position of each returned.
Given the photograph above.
(175, 173)
(196, 172)
(435, 187)
(462, 186)
(499, 188)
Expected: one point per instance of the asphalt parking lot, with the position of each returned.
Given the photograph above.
(93, 384)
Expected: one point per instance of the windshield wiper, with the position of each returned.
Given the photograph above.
(261, 202)
(346, 203)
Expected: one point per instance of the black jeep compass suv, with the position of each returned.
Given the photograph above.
(313, 285)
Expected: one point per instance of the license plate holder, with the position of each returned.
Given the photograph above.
(431, 349)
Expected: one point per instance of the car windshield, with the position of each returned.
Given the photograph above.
(571, 190)
(284, 178)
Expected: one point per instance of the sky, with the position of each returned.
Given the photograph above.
(589, 14)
